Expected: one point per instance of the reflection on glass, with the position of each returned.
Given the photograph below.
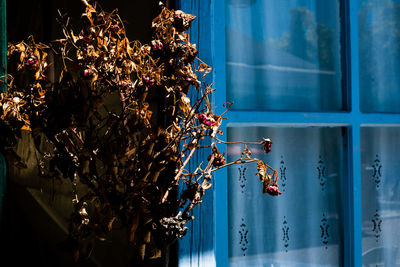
(283, 55)
(379, 55)
(380, 154)
(303, 227)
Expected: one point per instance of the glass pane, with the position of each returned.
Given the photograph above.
(380, 154)
(303, 227)
(379, 55)
(284, 55)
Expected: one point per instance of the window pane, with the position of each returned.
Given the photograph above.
(303, 227)
(380, 156)
(379, 55)
(284, 55)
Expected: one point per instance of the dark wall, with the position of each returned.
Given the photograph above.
(24, 243)
(38, 17)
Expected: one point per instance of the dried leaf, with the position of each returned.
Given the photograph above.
(20, 46)
(37, 54)
(262, 170)
(134, 226)
(204, 68)
(26, 128)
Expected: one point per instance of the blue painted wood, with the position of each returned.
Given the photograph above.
(197, 248)
(221, 185)
(355, 235)
(247, 116)
(352, 118)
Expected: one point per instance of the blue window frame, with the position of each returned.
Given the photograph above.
(368, 114)
(357, 110)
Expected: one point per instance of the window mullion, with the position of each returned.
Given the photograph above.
(354, 243)
(221, 184)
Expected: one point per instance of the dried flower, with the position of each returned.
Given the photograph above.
(266, 143)
(42, 77)
(88, 73)
(115, 28)
(203, 119)
(30, 61)
(272, 190)
(182, 21)
(219, 158)
(219, 162)
(157, 45)
(147, 81)
(125, 84)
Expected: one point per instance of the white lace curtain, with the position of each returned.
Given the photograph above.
(304, 225)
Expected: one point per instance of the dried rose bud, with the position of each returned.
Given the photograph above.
(178, 20)
(178, 14)
(88, 73)
(203, 119)
(148, 81)
(219, 162)
(219, 159)
(209, 122)
(182, 21)
(157, 45)
(189, 79)
(272, 190)
(124, 84)
(266, 143)
(30, 61)
(115, 28)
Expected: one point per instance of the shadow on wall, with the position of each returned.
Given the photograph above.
(36, 210)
